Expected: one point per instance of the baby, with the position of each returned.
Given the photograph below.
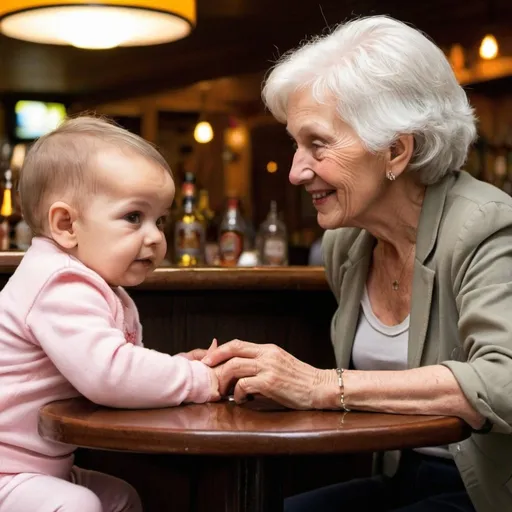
(96, 198)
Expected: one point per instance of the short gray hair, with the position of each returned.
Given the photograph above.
(58, 164)
(387, 79)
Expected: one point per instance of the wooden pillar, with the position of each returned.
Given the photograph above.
(149, 122)
(237, 163)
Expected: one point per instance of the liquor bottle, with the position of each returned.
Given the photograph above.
(22, 235)
(6, 211)
(231, 234)
(211, 250)
(273, 239)
(189, 232)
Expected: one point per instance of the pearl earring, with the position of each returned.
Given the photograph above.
(390, 175)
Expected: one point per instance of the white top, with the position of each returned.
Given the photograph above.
(384, 347)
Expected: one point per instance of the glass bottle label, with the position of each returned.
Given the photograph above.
(189, 239)
(230, 246)
(274, 251)
(4, 236)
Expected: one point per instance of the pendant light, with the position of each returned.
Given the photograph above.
(203, 131)
(97, 25)
(489, 47)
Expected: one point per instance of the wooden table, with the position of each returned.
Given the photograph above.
(256, 438)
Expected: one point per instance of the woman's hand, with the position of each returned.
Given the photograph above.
(272, 372)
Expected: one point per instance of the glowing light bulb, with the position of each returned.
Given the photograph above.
(489, 47)
(203, 132)
(271, 167)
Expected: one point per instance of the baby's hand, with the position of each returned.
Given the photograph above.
(198, 353)
(214, 386)
(214, 381)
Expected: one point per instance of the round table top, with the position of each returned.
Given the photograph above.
(255, 428)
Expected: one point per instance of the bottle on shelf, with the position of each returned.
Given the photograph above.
(211, 249)
(231, 234)
(6, 211)
(22, 235)
(189, 230)
(273, 239)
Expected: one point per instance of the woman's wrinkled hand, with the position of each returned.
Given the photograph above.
(270, 371)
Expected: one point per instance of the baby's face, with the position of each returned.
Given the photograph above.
(120, 229)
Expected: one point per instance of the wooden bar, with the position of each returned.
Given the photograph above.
(206, 278)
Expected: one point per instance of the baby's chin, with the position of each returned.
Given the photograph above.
(125, 281)
(132, 281)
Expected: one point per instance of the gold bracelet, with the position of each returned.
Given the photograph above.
(340, 371)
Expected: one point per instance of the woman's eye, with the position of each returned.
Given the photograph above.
(295, 146)
(133, 218)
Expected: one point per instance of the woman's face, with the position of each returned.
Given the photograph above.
(343, 178)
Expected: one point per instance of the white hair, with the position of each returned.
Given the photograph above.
(387, 79)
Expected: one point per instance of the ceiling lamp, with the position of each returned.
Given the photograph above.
(489, 47)
(97, 25)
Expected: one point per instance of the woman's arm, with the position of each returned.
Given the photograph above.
(427, 390)
(271, 371)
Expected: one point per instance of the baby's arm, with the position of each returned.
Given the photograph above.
(72, 321)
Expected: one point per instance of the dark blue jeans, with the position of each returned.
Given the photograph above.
(421, 484)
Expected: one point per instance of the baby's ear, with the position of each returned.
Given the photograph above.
(61, 217)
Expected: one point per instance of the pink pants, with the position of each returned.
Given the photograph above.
(86, 491)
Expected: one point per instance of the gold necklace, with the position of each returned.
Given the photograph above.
(396, 282)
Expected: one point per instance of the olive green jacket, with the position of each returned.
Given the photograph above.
(461, 314)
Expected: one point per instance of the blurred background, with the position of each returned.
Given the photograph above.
(196, 95)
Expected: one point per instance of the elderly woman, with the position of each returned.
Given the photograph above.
(418, 254)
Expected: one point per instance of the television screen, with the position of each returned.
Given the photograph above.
(35, 118)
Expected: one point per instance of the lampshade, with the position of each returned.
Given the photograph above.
(98, 24)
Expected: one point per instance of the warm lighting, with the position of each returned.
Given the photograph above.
(489, 47)
(456, 57)
(236, 137)
(271, 166)
(107, 25)
(18, 156)
(203, 132)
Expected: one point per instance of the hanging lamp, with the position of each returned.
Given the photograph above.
(98, 24)
(489, 47)
(203, 131)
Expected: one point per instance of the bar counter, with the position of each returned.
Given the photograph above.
(202, 278)
(182, 309)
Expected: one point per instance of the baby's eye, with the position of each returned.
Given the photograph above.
(161, 222)
(133, 218)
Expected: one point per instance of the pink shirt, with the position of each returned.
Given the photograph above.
(65, 332)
